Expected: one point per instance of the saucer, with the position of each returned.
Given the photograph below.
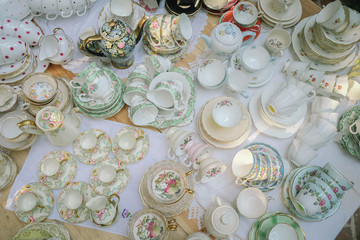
(98, 153)
(290, 121)
(43, 230)
(13, 69)
(264, 127)
(117, 185)
(173, 8)
(172, 209)
(292, 12)
(223, 134)
(67, 170)
(299, 52)
(256, 79)
(254, 228)
(46, 200)
(83, 212)
(138, 152)
(10, 103)
(9, 174)
(274, 155)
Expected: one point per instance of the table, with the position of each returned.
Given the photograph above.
(9, 223)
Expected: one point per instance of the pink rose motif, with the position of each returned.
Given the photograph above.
(335, 189)
(150, 228)
(314, 172)
(297, 187)
(121, 44)
(155, 25)
(343, 188)
(322, 202)
(329, 196)
(128, 29)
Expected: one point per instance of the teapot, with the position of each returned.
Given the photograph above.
(226, 38)
(221, 219)
(60, 129)
(115, 40)
(104, 209)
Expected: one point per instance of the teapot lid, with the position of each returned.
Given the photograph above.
(49, 118)
(114, 30)
(225, 220)
(228, 33)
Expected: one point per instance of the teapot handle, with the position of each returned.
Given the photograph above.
(90, 39)
(29, 126)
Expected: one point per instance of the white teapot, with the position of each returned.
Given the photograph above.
(221, 220)
(226, 38)
(60, 129)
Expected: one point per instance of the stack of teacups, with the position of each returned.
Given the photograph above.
(259, 166)
(167, 34)
(313, 193)
(316, 133)
(98, 92)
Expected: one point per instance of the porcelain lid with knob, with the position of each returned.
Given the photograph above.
(227, 33)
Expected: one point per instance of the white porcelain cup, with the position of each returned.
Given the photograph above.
(50, 7)
(168, 94)
(49, 47)
(183, 29)
(281, 5)
(35, 7)
(211, 74)
(296, 68)
(332, 16)
(311, 136)
(107, 173)
(341, 86)
(353, 90)
(277, 41)
(244, 166)
(252, 203)
(28, 201)
(255, 58)
(89, 140)
(246, 14)
(300, 153)
(227, 113)
(312, 77)
(10, 26)
(127, 141)
(122, 9)
(73, 199)
(142, 111)
(196, 152)
(50, 167)
(135, 88)
(210, 170)
(283, 231)
(29, 32)
(66, 8)
(327, 85)
(156, 64)
(237, 82)
(324, 104)
(65, 47)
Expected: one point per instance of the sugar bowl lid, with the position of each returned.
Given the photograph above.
(49, 118)
(225, 220)
(228, 33)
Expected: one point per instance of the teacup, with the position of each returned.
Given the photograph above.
(50, 8)
(244, 166)
(166, 34)
(324, 104)
(332, 16)
(246, 14)
(336, 188)
(296, 68)
(327, 85)
(107, 173)
(341, 86)
(196, 152)
(73, 200)
(153, 25)
(51, 167)
(36, 7)
(237, 82)
(156, 64)
(252, 203)
(210, 169)
(262, 173)
(11, 50)
(255, 58)
(353, 90)
(338, 176)
(167, 94)
(354, 128)
(281, 5)
(135, 88)
(277, 41)
(140, 75)
(183, 30)
(104, 209)
(326, 188)
(122, 9)
(311, 200)
(89, 140)
(142, 111)
(80, 7)
(29, 32)
(312, 77)
(65, 8)
(283, 231)
(325, 128)
(211, 74)
(127, 141)
(300, 153)
(227, 113)
(28, 201)
(178, 142)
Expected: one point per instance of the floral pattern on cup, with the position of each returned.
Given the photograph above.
(319, 200)
(276, 43)
(98, 153)
(46, 200)
(149, 227)
(213, 172)
(67, 171)
(119, 183)
(339, 192)
(245, 8)
(303, 179)
(168, 185)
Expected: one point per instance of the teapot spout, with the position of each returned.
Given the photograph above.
(206, 39)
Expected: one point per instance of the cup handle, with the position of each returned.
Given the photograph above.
(29, 126)
(351, 128)
(66, 16)
(244, 94)
(311, 95)
(240, 182)
(260, 14)
(252, 36)
(110, 199)
(189, 191)
(74, 84)
(54, 16)
(170, 154)
(90, 39)
(25, 106)
(84, 98)
(81, 13)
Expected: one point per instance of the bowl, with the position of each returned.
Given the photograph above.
(255, 58)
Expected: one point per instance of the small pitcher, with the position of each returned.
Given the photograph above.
(104, 209)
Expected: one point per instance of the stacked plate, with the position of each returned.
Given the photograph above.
(218, 7)
(219, 136)
(11, 137)
(273, 17)
(167, 187)
(101, 110)
(8, 170)
(276, 223)
(46, 230)
(271, 124)
(324, 49)
(8, 99)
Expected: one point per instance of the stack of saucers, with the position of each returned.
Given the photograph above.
(274, 15)
(224, 122)
(98, 92)
(276, 224)
(313, 193)
(168, 187)
(7, 170)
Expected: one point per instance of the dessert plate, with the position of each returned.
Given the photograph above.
(46, 200)
(254, 108)
(140, 149)
(96, 154)
(292, 12)
(117, 185)
(83, 213)
(43, 230)
(286, 24)
(296, 45)
(9, 172)
(67, 171)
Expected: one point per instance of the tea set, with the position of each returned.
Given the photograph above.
(258, 165)
(313, 193)
(8, 170)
